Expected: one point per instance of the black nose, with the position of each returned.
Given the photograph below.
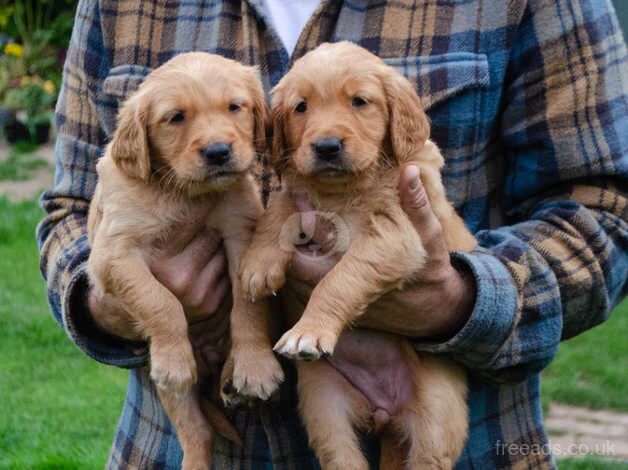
(328, 148)
(217, 154)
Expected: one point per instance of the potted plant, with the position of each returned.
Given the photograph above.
(33, 37)
(32, 104)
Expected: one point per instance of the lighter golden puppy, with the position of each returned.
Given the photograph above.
(344, 123)
(182, 152)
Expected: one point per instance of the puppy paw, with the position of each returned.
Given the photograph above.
(262, 277)
(306, 342)
(173, 368)
(232, 399)
(256, 375)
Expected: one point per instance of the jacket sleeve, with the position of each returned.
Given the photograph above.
(562, 265)
(62, 234)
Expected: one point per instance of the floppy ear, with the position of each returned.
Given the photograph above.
(278, 151)
(260, 111)
(129, 145)
(409, 126)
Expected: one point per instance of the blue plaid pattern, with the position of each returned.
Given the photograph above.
(528, 106)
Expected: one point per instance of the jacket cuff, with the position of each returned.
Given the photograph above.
(92, 340)
(493, 318)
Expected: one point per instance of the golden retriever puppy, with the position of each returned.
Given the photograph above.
(182, 152)
(344, 123)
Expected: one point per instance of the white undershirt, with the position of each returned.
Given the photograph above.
(289, 17)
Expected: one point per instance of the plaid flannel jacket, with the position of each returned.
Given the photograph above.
(527, 103)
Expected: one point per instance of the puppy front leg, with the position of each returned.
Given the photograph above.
(159, 317)
(254, 372)
(380, 260)
(263, 268)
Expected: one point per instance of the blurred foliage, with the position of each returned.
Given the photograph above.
(36, 98)
(34, 35)
(38, 20)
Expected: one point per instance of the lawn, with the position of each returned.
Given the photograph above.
(589, 464)
(21, 163)
(58, 408)
(592, 369)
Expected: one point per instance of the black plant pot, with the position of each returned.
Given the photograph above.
(15, 131)
(42, 132)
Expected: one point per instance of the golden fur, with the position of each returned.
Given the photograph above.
(351, 95)
(154, 177)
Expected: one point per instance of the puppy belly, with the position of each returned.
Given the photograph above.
(375, 365)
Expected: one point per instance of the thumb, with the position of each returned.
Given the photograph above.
(414, 200)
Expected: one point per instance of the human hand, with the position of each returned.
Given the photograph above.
(436, 304)
(192, 265)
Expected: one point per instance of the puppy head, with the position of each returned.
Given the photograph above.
(341, 113)
(194, 124)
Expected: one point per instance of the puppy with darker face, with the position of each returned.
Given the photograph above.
(344, 124)
(182, 153)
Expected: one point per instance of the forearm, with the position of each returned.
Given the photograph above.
(64, 253)
(551, 277)
(65, 249)
(62, 234)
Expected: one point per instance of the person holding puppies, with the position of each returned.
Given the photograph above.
(525, 101)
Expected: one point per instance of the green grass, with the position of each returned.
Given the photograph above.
(58, 408)
(592, 369)
(21, 163)
(590, 463)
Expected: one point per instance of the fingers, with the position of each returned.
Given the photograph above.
(178, 272)
(199, 251)
(416, 204)
(414, 199)
(205, 292)
(215, 296)
(213, 329)
(210, 339)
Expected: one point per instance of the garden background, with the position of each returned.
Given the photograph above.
(58, 409)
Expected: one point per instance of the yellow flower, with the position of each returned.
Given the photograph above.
(25, 80)
(49, 87)
(14, 49)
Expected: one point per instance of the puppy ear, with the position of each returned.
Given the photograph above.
(409, 125)
(279, 147)
(260, 111)
(129, 145)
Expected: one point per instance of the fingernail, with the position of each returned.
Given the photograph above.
(414, 184)
(415, 175)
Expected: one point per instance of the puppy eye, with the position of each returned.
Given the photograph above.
(177, 117)
(301, 107)
(358, 102)
(234, 108)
